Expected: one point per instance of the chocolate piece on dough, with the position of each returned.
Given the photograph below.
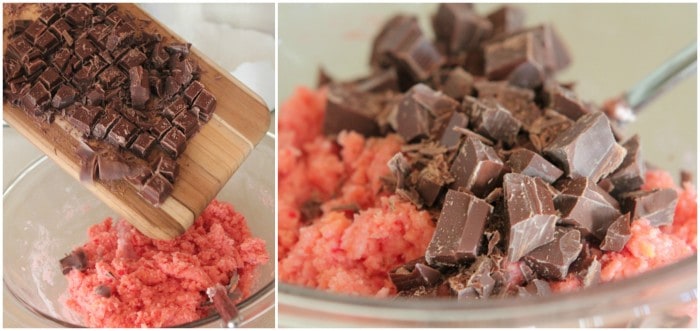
(76, 260)
(657, 206)
(552, 260)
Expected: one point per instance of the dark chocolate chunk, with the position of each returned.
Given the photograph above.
(51, 78)
(142, 145)
(396, 32)
(175, 107)
(418, 59)
(179, 48)
(347, 109)
(62, 31)
(159, 57)
(503, 56)
(139, 176)
(413, 117)
(490, 119)
(657, 206)
(414, 274)
(458, 27)
(192, 91)
(617, 234)
(103, 291)
(586, 205)
(587, 149)
(47, 42)
(82, 118)
(565, 101)
(61, 58)
(174, 142)
(132, 58)
(36, 99)
(77, 260)
(528, 75)
(432, 179)
(64, 97)
(48, 16)
(111, 167)
(34, 67)
(121, 132)
(20, 49)
(506, 19)
(98, 34)
(476, 282)
(206, 102)
(167, 167)
(104, 9)
(15, 27)
(545, 129)
(120, 37)
(138, 87)
(156, 189)
(105, 123)
(458, 83)
(552, 260)
(84, 48)
(476, 168)
(160, 127)
(529, 163)
(629, 176)
(95, 96)
(187, 122)
(78, 15)
(457, 236)
(11, 69)
(34, 30)
(531, 214)
(450, 137)
(112, 77)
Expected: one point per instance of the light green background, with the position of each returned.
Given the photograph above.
(613, 46)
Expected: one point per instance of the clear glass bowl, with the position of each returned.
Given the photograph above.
(607, 59)
(47, 213)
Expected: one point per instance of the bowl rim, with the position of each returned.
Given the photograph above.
(249, 302)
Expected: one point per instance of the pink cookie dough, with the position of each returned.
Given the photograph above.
(155, 283)
(350, 254)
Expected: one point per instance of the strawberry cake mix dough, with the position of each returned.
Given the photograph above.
(130, 280)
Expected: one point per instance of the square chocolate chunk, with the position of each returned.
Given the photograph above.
(175, 107)
(192, 91)
(121, 133)
(78, 15)
(48, 16)
(103, 9)
(19, 48)
(132, 58)
(82, 118)
(174, 142)
(34, 67)
(37, 97)
(99, 33)
(104, 124)
(206, 103)
(187, 122)
(47, 42)
(112, 77)
(64, 97)
(62, 30)
(142, 145)
(160, 128)
(34, 30)
(60, 58)
(156, 189)
(84, 48)
(51, 78)
(166, 167)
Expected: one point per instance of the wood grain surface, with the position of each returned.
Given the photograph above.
(212, 155)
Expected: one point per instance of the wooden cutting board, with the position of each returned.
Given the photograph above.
(212, 155)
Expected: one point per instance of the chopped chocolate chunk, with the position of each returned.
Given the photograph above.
(192, 91)
(586, 205)
(95, 96)
(15, 27)
(414, 274)
(457, 236)
(139, 176)
(64, 97)
(476, 168)
(206, 102)
(458, 83)
(12, 69)
(506, 19)
(47, 42)
(51, 78)
(77, 260)
(502, 57)
(112, 167)
(82, 118)
(142, 145)
(396, 32)
(112, 77)
(156, 189)
(34, 30)
(20, 49)
(84, 48)
(132, 58)
(62, 30)
(174, 142)
(179, 48)
(104, 9)
(475, 282)
(587, 149)
(78, 15)
(450, 137)
(138, 87)
(528, 75)
(458, 27)
(104, 124)
(34, 67)
(187, 122)
(531, 214)
(657, 206)
(121, 133)
(629, 176)
(347, 109)
(159, 57)
(37, 97)
(490, 119)
(565, 101)
(48, 16)
(552, 260)
(120, 37)
(617, 234)
(529, 163)
(160, 128)
(413, 117)
(418, 59)
(103, 291)
(175, 107)
(432, 179)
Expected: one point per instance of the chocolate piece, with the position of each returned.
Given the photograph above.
(156, 189)
(587, 149)
(60, 58)
(457, 236)
(414, 274)
(34, 67)
(77, 15)
(506, 19)
(77, 260)
(104, 124)
(528, 75)
(450, 137)
(458, 83)
(565, 101)
(617, 234)
(160, 128)
(121, 133)
(110, 167)
(192, 91)
(138, 87)
(174, 108)
(64, 97)
(586, 205)
(552, 260)
(397, 31)
(51, 78)
(187, 122)
(139, 176)
(84, 48)
(131, 59)
(20, 49)
(15, 27)
(347, 109)
(432, 179)
(531, 214)
(476, 282)
(657, 206)
(34, 30)
(47, 42)
(37, 97)
(476, 168)
(458, 27)
(104, 9)
(174, 142)
(112, 77)
(206, 102)
(545, 129)
(103, 291)
(179, 48)
(413, 117)
(529, 163)
(95, 96)
(159, 57)
(418, 59)
(82, 118)
(142, 145)
(121, 36)
(98, 34)
(12, 69)
(490, 119)
(502, 57)
(167, 167)
(629, 176)
(62, 31)
(48, 16)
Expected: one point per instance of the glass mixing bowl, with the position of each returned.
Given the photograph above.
(47, 213)
(608, 57)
